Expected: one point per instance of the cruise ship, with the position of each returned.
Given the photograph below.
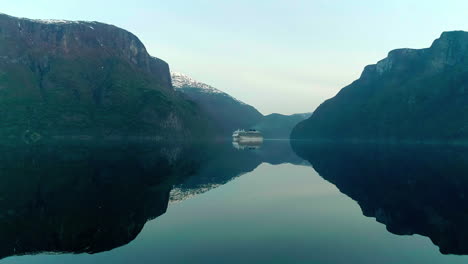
(250, 135)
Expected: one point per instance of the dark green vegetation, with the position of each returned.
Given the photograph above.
(412, 189)
(278, 126)
(410, 95)
(86, 79)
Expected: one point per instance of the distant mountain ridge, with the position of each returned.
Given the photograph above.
(228, 112)
(231, 113)
(278, 126)
(413, 94)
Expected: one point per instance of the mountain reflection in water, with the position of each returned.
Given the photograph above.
(412, 189)
(88, 198)
(80, 198)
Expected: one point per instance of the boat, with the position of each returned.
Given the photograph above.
(250, 135)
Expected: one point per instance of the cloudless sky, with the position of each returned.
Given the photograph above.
(283, 56)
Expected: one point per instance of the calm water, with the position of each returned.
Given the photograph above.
(213, 203)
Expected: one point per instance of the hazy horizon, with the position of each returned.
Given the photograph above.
(279, 56)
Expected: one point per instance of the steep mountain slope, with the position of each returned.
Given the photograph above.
(228, 112)
(410, 95)
(278, 126)
(85, 78)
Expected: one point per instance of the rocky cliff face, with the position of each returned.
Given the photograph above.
(50, 38)
(410, 95)
(69, 78)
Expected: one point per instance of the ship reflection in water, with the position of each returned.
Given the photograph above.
(250, 139)
(247, 145)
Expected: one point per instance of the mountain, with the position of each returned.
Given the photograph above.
(278, 126)
(74, 78)
(227, 112)
(230, 113)
(413, 94)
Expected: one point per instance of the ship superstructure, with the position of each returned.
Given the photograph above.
(250, 135)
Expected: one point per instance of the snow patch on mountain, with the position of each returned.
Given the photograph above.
(181, 81)
(51, 21)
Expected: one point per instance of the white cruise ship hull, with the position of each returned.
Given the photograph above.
(248, 139)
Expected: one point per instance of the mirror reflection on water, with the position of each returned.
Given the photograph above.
(112, 202)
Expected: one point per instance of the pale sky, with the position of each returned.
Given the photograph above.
(284, 56)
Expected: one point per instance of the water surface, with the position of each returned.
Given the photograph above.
(212, 203)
